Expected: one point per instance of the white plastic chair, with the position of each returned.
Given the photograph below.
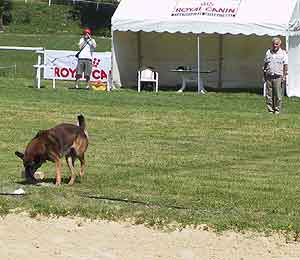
(147, 75)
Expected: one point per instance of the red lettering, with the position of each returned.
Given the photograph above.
(96, 74)
(69, 72)
(188, 9)
(99, 74)
(73, 72)
(56, 72)
(103, 74)
(64, 72)
(207, 4)
(220, 10)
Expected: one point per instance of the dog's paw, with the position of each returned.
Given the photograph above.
(71, 182)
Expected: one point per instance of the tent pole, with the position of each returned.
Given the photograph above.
(139, 55)
(198, 64)
(287, 37)
(220, 61)
(110, 75)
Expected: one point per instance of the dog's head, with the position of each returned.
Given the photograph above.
(31, 164)
(33, 157)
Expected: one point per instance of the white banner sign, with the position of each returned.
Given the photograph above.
(221, 8)
(62, 65)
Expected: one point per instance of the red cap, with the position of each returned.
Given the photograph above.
(87, 30)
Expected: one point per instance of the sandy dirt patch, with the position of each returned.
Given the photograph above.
(44, 238)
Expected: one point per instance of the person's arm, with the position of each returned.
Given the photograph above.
(264, 68)
(266, 60)
(81, 43)
(285, 67)
(285, 71)
(92, 43)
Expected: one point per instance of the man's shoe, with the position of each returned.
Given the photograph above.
(87, 87)
(276, 113)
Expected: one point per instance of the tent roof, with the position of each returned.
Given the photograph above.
(260, 17)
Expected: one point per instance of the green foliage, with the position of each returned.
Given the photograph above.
(5, 6)
(5, 15)
(37, 17)
(24, 17)
(96, 17)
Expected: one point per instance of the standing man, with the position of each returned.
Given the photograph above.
(275, 73)
(87, 45)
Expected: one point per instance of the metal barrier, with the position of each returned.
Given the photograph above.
(13, 67)
(40, 53)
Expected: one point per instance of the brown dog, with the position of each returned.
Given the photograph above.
(66, 140)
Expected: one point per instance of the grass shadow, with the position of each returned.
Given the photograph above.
(80, 88)
(34, 87)
(45, 180)
(188, 89)
(258, 91)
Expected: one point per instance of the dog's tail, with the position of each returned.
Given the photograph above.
(82, 124)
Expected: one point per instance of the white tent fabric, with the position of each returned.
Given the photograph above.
(152, 32)
(250, 16)
(293, 88)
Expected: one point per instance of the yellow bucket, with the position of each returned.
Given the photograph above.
(99, 86)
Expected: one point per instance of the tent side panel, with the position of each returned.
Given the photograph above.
(243, 60)
(293, 88)
(125, 58)
(165, 52)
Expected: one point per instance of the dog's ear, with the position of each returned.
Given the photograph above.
(39, 133)
(19, 154)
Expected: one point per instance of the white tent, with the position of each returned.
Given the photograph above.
(233, 36)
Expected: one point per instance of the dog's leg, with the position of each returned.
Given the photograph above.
(70, 162)
(82, 165)
(58, 171)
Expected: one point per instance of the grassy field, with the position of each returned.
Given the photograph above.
(158, 159)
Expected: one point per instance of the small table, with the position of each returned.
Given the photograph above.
(188, 76)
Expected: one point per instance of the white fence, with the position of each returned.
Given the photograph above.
(40, 53)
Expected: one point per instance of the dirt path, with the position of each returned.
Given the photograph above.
(65, 238)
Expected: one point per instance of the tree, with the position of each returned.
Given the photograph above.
(95, 15)
(5, 16)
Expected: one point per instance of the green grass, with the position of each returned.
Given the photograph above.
(218, 159)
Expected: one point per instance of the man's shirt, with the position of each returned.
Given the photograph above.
(274, 62)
